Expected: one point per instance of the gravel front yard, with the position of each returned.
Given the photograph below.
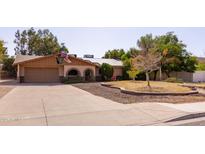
(116, 95)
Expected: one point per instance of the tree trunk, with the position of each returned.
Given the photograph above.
(147, 79)
(155, 75)
(167, 73)
(160, 74)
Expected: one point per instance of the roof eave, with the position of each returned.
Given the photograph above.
(31, 60)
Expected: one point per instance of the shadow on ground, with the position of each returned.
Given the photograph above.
(188, 117)
(15, 83)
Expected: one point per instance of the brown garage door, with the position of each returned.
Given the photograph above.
(41, 75)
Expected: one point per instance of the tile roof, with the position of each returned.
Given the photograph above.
(100, 61)
(23, 58)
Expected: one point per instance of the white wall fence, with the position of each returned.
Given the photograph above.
(199, 76)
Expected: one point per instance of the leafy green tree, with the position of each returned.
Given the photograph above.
(189, 63)
(6, 60)
(132, 52)
(37, 42)
(114, 54)
(200, 67)
(106, 71)
(174, 54)
(8, 66)
(3, 51)
(126, 59)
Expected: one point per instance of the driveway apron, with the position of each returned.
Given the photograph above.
(67, 105)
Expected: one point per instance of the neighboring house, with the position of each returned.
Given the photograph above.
(46, 69)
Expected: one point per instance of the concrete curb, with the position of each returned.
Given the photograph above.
(131, 92)
(181, 123)
(192, 86)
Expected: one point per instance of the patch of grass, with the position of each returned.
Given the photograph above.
(156, 86)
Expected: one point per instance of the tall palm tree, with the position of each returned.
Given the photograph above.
(145, 43)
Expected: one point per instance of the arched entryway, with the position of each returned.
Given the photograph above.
(73, 73)
(88, 75)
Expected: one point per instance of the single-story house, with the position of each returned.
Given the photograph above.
(46, 68)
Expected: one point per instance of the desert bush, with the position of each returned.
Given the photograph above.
(132, 73)
(68, 80)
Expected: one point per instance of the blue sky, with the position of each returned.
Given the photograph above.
(96, 41)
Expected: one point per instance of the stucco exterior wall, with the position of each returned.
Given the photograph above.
(71, 63)
(117, 71)
(97, 71)
(48, 62)
(61, 70)
(43, 62)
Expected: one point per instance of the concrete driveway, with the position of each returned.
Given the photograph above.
(58, 104)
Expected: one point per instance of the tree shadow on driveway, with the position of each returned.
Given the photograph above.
(14, 83)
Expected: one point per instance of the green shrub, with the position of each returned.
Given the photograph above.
(68, 80)
(106, 71)
(132, 73)
(174, 80)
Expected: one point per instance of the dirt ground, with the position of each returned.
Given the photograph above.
(116, 95)
(156, 86)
